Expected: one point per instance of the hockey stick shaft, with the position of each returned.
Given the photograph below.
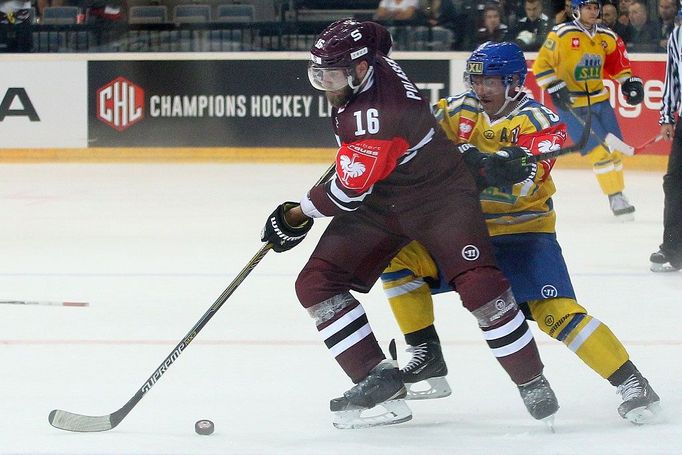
(43, 302)
(65, 420)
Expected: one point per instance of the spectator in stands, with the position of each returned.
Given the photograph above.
(15, 26)
(531, 30)
(397, 10)
(609, 12)
(493, 28)
(642, 34)
(440, 13)
(667, 11)
(623, 14)
(105, 11)
(565, 14)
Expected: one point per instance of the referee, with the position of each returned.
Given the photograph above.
(669, 257)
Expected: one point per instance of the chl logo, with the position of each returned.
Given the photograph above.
(120, 103)
(549, 291)
(470, 253)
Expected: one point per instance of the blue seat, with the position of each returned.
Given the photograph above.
(235, 13)
(60, 15)
(151, 14)
(186, 14)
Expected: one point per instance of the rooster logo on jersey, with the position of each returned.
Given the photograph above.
(350, 168)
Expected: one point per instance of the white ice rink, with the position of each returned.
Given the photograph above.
(152, 246)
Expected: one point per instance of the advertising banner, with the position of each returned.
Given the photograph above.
(639, 124)
(43, 104)
(216, 103)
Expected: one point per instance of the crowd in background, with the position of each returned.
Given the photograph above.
(644, 25)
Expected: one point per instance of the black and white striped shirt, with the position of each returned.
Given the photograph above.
(673, 76)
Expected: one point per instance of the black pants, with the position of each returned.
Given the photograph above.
(672, 209)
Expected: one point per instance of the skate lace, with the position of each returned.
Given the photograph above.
(631, 388)
(419, 354)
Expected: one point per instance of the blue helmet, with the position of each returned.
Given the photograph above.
(576, 4)
(498, 59)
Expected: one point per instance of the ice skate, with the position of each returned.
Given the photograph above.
(661, 262)
(621, 207)
(640, 403)
(362, 405)
(540, 400)
(424, 375)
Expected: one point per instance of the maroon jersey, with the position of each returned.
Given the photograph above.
(382, 129)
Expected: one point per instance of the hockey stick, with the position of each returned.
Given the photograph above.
(42, 302)
(65, 420)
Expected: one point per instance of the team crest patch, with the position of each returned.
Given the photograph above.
(355, 165)
(466, 127)
(550, 44)
(575, 43)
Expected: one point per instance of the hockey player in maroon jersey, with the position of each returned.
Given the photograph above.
(398, 178)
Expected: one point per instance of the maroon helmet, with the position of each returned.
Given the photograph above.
(339, 47)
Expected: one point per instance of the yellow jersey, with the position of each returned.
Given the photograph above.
(582, 59)
(525, 206)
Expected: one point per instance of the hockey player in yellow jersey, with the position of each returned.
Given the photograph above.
(496, 126)
(575, 57)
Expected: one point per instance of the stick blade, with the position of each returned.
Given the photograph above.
(69, 421)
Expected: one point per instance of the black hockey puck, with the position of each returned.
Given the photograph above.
(204, 427)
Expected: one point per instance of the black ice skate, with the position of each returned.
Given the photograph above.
(621, 207)
(539, 399)
(640, 403)
(662, 262)
(382, 388)
(426, 368)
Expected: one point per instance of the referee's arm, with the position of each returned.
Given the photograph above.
(671, 88)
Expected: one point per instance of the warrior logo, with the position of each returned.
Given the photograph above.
(120, 103)
(470, 253)
(548, 291)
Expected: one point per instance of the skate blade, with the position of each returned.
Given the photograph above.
(397, 411)
(438, 387)
(549, 421)
(625, 217)
(645, 414)
(663, 268)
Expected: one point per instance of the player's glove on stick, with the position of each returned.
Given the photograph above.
(561, 97)
(508, 166)
(474, 159)
(633, 91)
(278, 232)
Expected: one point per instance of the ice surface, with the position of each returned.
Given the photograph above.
(151, 247)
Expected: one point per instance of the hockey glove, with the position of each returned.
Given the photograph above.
(633, 91)
(278, 232)
(508, 166)
(561, 97)
(474, 159)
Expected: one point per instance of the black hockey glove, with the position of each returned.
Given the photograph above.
(633, 91)
(278, 232)
(508, 166)
(561, 97)
(474, 159)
